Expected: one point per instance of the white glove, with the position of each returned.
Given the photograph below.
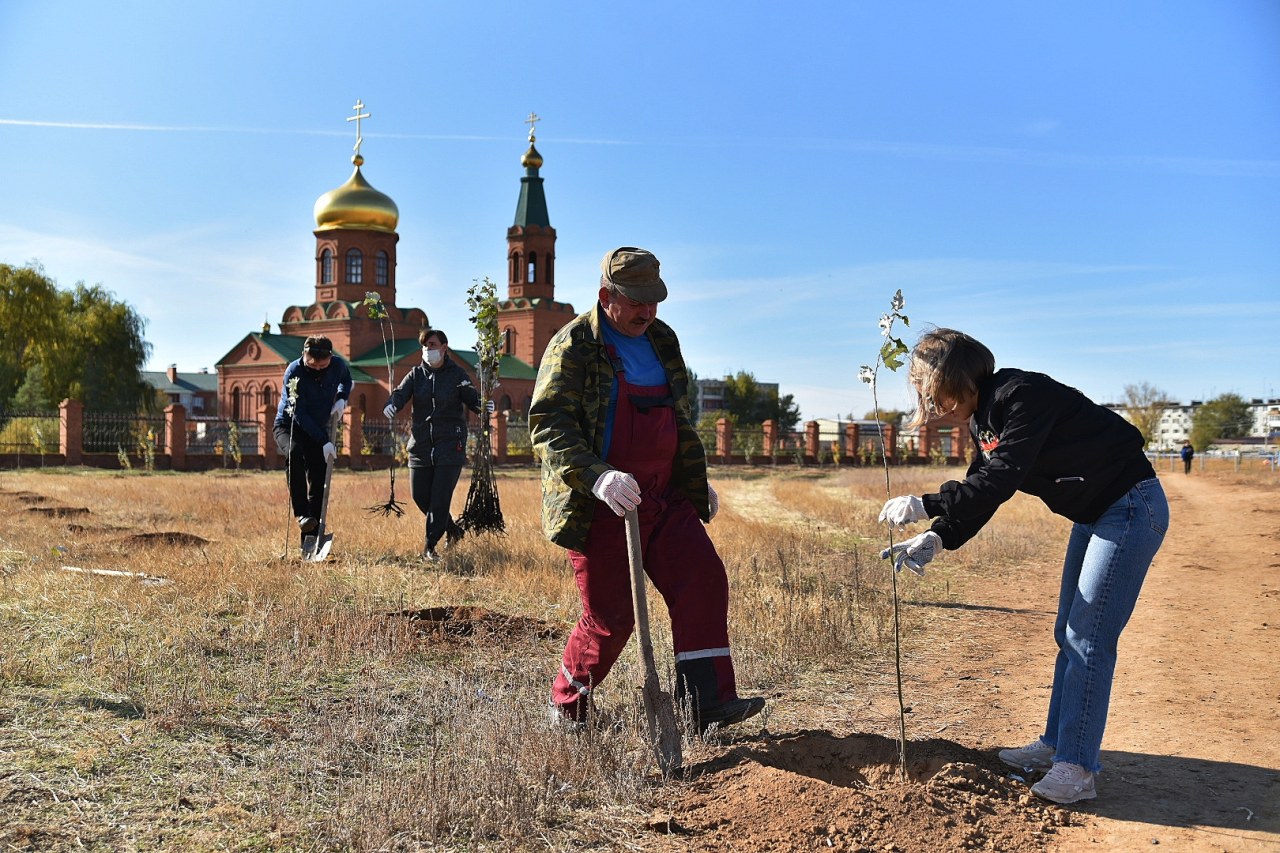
(490, 407)
(619, 490)
(330, 453)
(915, 553)
(390, 411)
(713, 503)
(903, 510)
(338, 406)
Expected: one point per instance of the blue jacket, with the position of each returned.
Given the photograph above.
(317, 390)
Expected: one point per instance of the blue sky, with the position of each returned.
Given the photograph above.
(1092, 189)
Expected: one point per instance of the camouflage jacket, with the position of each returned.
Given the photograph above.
(566, 425)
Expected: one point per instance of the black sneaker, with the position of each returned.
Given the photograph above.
(729, 713)
(307, 524)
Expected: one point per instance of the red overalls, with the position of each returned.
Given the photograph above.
(678, 557)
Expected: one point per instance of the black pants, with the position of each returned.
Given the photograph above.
(1186, 466)
(304, 472)
(433, 491)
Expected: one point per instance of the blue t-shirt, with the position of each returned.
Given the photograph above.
(639, 363)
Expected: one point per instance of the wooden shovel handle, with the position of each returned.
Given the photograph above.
(638, 597)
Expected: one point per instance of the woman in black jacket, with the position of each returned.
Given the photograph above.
(440, 390)
(1038, 436)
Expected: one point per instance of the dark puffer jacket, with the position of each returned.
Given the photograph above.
(439, 421)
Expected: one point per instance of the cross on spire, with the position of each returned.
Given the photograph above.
(356, 118)
(532, 121)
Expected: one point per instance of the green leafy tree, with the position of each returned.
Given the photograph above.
(1144, 403)
(889, 416)
(1227, 416)
(98, 355)
(28, 315)
(752, 405)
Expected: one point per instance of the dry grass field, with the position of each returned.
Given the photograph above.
(236, 698)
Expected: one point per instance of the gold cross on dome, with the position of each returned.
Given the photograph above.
(532, 121)
(356, 118)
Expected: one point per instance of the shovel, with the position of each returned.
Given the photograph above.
(659, 710)
(315, 546)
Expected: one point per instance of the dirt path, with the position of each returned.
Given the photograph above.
(1192, 749)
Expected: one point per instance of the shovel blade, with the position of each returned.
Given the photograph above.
(664, 733)
(316, 548)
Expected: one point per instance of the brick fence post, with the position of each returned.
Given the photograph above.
(498, 435)
(724, 439)
(355, 436)
(175, 435)
(851, 443)
(890, 442)
(770, 429)
(811, 442)
(71, 431)
(267, 437)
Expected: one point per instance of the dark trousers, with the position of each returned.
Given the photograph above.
(433, 491)
(304, 472)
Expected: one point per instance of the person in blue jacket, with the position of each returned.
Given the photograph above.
(441, 391)
(1038, 436)
(316, 388)
(1188, 453)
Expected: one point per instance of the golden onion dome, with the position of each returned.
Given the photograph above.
(356, 205)
(531, 159)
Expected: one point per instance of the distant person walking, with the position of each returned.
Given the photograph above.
(440, 389)
(1036, 435)
(1188, 453)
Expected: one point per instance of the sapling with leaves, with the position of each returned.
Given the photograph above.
(483, 512)
(378, 311)
(290, 406)
(892, 353)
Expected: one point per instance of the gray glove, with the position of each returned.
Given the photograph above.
(339, 405)
(713, 501)
(619, 490)
(915, 552)
(330, 453)
(903, 510)
(390, 411)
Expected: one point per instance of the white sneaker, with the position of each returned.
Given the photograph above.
(1036, 755)
(1065, 783)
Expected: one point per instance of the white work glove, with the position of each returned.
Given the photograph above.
(619, 490)
(713, 503)
(490, 407)
(330, 453)
(903, 510)
(390, 411)
(338, 406)
(915, 552)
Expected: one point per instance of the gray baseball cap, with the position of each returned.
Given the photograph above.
(634, 272)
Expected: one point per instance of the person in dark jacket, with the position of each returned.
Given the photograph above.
(316, 388)
(1036, 435)
(1188, 453)
(440, 390)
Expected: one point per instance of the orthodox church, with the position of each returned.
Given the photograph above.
(355, 255)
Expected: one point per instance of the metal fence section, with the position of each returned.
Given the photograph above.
(123, 432)
(213, 436)
(381, 437)
(518, 442)
(29, 432)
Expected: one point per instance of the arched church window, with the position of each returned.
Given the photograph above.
(355, 267)
(326, 267)
(382, 270)
(235, 404)
(551, 266)
(508, 341)
(533, 265)
(515, 266)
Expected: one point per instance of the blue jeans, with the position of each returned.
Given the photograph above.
(1102, 574)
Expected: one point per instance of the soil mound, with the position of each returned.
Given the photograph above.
(166, 538)
(818, 791)
(59, 511)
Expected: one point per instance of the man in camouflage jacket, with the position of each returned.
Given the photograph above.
(610, 423)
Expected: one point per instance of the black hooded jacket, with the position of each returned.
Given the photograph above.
(1036, 435)
(439, 422)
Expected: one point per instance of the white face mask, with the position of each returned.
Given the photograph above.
(433, 357)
